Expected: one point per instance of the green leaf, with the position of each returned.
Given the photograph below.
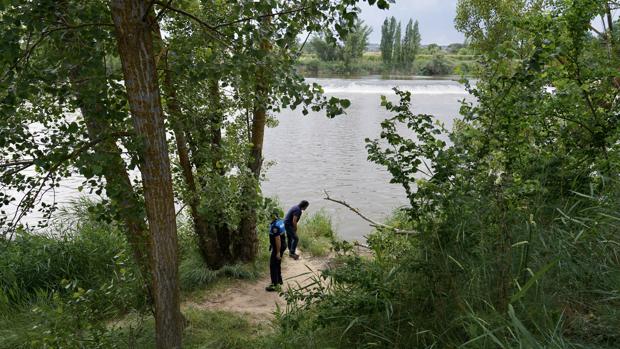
(533, 280)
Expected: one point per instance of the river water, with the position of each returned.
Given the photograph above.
(313, 153)
(310, 154)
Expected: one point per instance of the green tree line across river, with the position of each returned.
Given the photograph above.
(509, 238)
(398, 54)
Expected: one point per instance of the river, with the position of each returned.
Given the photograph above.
(310, 154)
(313, 153)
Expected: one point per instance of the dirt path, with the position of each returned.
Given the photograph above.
(250, 297)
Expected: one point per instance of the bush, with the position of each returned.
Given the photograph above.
(438, 65)
(88, 256)
(57, 289)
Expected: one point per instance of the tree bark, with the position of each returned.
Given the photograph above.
(207, 242)
(220, 227)
(247, 240)
(89, 87)
(135, 46)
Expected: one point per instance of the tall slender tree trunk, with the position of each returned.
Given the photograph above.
(220, 227)
(118, 186)
(207, 241)
(246, 242)
(135, 46)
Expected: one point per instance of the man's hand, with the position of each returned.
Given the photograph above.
(278, 256)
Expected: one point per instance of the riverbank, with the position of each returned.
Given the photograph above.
(436, 65)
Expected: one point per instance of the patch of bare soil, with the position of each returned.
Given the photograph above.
(250, 297)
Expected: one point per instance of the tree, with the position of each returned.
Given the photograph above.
(355, 43)
(326, 50)
(228, 175)
(397, 52)
(135, 47)
(411, 45)
(387, 41)
(88, 143)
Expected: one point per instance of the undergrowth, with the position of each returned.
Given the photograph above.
(316, 234)
(76, 286)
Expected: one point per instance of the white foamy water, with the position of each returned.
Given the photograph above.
(377, 86)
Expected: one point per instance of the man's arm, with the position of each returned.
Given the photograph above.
(295, 219)
(278, 246)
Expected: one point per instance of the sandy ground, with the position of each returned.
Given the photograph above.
(250, 297)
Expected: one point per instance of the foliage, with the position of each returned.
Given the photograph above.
(58, 290)
(517, 216)
(316, 234)
(349, 51)
(438, 65)
(399, 54)
(85, 254)
(371, 64)
(325, 50)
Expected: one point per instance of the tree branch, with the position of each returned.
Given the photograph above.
(211, 28)
(283, 12)
(17, 163)
(372, 223)
(187, 14)
(28, 201)
(29, 49)
(597, 31)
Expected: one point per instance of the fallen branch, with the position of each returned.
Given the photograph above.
(373, 224)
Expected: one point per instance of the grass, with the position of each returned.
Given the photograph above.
(194, 274)
(77, 287)
(206, 329)
(316, 234)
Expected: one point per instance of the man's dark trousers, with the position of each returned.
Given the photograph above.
(275, 268)
(291, 235)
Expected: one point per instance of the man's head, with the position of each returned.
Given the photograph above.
(304, 204)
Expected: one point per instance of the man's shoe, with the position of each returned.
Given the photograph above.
(271, 288)
(294, 256)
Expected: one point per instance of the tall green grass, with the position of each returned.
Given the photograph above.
(65, 287)
(316, 234)
(57, 288)
(440, 289)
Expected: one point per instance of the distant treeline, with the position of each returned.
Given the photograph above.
(399, 54)
(396, 53)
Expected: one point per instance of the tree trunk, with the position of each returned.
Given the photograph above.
(207, 242)
(89, 87)
(246, 242)
(135, 46)
(220, 227)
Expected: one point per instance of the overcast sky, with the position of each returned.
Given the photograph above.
(436, 18)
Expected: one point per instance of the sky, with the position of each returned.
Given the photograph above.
(435, 17)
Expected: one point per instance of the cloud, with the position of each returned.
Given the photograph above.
(436, 18)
